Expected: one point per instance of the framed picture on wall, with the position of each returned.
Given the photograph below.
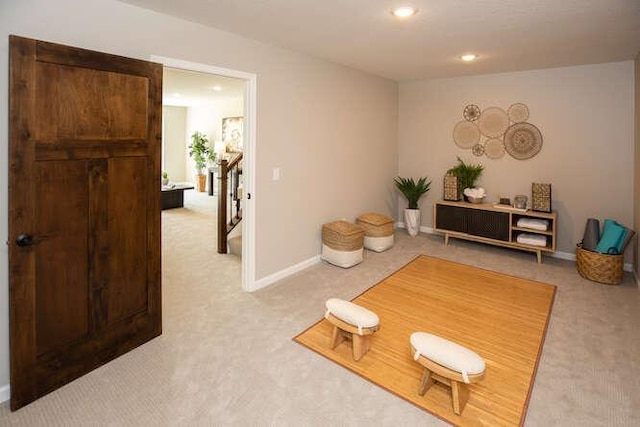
(232, 133)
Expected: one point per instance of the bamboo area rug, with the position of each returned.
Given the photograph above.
(502, 318)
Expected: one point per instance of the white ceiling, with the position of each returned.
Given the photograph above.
(190, 88)
(509, 35)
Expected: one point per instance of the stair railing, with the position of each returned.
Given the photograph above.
(229, 196)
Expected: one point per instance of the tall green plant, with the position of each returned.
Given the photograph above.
(200, 151)
(412, 190)
(466, 173)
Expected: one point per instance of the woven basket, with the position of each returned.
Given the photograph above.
(375, 225)
(602, 268)
(343, 236)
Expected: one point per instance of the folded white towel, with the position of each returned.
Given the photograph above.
(533, 223)
(532, 239)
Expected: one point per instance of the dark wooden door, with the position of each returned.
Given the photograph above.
(84, 211)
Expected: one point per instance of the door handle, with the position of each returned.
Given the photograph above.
(25, 240)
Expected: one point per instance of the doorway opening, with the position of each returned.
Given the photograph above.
(222, 101)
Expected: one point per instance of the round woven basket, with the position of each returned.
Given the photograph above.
(376, 225)
(343, 236)
(602, 268)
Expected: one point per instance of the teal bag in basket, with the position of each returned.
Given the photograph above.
(613, 237)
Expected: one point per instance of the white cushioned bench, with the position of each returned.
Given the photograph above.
(448, 363)
(351, 322)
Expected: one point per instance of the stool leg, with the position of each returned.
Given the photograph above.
(361, 344)
(459, 396)
(367, 342)
(426, 382)
(336, 337)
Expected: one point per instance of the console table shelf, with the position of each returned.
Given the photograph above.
(486, 223)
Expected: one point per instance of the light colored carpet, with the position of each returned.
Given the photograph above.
(226, 357)
(502, 318)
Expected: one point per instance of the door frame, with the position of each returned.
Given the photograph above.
(249, 157)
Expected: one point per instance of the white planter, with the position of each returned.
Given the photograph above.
(412, 221)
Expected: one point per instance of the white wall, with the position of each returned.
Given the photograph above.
(585, 115)
(181, 122)
(332, 130)
(174, 140)
(208, 120)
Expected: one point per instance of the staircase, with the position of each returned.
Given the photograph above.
(235, 245)
(229, 198)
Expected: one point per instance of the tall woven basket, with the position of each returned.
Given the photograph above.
(602, 268)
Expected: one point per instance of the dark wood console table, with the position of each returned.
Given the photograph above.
(173, 195)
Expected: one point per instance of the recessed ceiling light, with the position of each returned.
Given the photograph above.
(469, 57)
(404, 11)
(216, 88)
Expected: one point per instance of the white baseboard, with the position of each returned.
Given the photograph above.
(560, 255)
(423, 229)
(279, 275)
(5, 393)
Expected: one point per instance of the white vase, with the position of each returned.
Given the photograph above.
(412, 221)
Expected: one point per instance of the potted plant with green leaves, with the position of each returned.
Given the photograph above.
(201, 153)
(466, 173)
(412, 191)
(165, 178)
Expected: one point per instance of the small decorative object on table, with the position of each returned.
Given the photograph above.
(520, 202)
(541, 197)
(451, 192)
(475, 195)
(165, 178)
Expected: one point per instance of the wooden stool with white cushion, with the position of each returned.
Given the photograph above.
(448, 363)
(351, 322)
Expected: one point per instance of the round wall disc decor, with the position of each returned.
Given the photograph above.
(478, 149)
(471, 112)
(493, 122)
(494, 148)
(466, 134)
(518, 113)
(522, 141)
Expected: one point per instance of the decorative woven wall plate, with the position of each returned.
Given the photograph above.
(493, 122)
(471, 112)
(541, 197)
(522, 141)
(466, 134)
(478, 150)
(494, 148)
(451, 188)
(518, 113)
